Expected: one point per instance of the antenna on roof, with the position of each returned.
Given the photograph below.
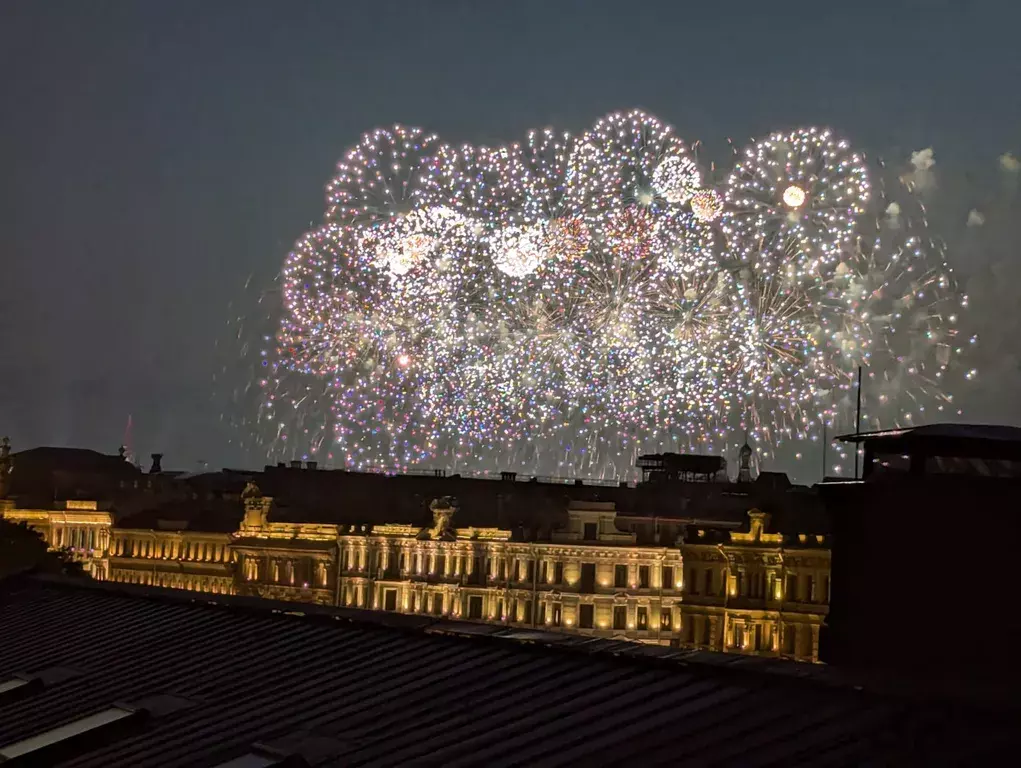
(857, 424)
(824, 448)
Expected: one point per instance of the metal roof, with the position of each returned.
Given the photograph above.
(943, 431)
(400, 690)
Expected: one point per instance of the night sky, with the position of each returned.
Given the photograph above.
(155, 156)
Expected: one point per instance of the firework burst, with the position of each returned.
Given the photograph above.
(562, 304)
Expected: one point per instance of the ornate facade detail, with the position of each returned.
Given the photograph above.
(256, 507)
(443, 510)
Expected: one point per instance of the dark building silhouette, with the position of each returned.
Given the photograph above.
(923, 567)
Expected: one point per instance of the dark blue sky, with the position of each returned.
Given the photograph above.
(153, 155)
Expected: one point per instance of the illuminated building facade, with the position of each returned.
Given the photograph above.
(751, 592)
(580, 564)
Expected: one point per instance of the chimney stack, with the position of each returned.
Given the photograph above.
(296, 464)
(156, 467)
(311, 464)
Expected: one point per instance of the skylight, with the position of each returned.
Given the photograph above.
(64, 732)
(12, 684)
(251, 760)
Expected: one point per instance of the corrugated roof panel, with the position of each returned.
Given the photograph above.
(399, 695)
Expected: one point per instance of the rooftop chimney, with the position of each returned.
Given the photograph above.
(509, 476)
(156, 468)
(311, 464)
(296, 464)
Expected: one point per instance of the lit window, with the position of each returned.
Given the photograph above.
(64, 732)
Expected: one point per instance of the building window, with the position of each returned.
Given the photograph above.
(667, 578)
(643, 576)
(558, 572)
(588, 577)
(585, 612)
(620, 575)
(438, 604)
(591, 531)
(557, 614)
(441, 565)
(620, 617)
(707, 632)
(542, 613)
(825, 589)
(643, 618)
(812, 597)
(665, 619)
(790, 639)
(544, 571)
(738, 635)
(693, 581)
(389, 599)
(475, 606)
(709, 581)
(791, 588)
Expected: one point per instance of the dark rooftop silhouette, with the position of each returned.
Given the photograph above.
(226, 677)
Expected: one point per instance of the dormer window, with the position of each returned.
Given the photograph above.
(591, 532)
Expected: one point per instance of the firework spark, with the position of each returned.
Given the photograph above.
(562, 304)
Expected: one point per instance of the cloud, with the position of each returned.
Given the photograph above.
(893, 215)
(975, 218)
(923, 159)
(922, 177)
(1009, 163)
